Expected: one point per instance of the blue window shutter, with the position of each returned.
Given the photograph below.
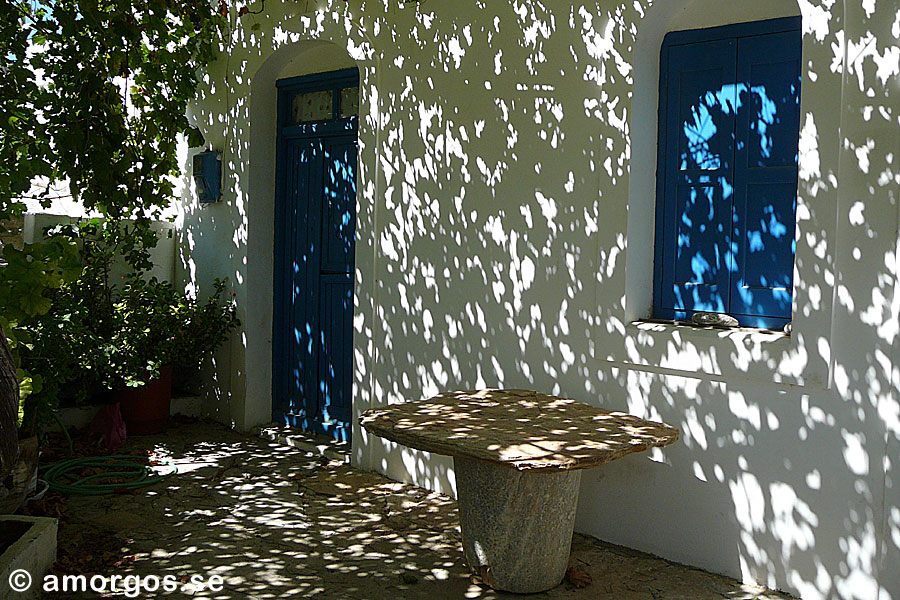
(729, 123)
(765, 177)
(693, 228)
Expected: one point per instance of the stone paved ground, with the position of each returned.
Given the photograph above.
(280, 522)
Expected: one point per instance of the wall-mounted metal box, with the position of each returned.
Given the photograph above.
(208, 176)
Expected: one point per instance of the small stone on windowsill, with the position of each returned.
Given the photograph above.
(714, 319)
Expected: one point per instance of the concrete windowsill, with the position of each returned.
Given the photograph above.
(762, 335)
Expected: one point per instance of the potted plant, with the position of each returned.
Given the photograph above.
(160, 328)
(113, 339)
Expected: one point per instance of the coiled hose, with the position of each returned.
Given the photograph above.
(130, 472)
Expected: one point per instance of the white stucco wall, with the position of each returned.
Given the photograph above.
(505, 225)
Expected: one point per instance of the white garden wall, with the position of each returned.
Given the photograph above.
(505, 230)
(162, 255)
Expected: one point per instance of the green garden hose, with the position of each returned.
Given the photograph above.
(128, 472)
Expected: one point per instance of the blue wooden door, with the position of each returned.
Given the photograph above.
(314, 250)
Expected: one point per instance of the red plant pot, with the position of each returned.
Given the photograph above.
(146, 409)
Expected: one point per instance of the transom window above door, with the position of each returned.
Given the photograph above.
(325, 105)
(729, 121)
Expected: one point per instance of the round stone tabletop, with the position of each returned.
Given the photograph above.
(519, 428)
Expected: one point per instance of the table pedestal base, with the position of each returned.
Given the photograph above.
(516, 525)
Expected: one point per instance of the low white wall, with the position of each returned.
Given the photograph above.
(162, 256)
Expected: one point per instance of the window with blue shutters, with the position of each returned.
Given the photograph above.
(729, 120)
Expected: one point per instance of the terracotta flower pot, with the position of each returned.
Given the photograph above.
(145, 409)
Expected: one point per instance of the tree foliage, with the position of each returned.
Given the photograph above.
(94, 95)
(97, 98)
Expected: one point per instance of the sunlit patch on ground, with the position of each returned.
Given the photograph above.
(280, 522)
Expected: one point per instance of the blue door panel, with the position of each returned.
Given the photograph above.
(304, 317)
(339, 205)
(336, 366)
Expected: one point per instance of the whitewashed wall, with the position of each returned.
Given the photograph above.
(505, 211)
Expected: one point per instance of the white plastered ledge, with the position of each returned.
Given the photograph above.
(739, 353)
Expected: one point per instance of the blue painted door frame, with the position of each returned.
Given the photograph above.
(315, 232)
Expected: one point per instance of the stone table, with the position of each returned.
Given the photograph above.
(518, 457)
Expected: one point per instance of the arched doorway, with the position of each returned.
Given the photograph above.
(315, 233)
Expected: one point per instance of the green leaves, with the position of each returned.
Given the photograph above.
(94, 93)
(28, 385)
(195, 138)
(96, 128)
(31, 273)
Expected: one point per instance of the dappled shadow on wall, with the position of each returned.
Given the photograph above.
(493, 239)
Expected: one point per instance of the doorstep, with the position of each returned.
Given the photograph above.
(312, 443)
